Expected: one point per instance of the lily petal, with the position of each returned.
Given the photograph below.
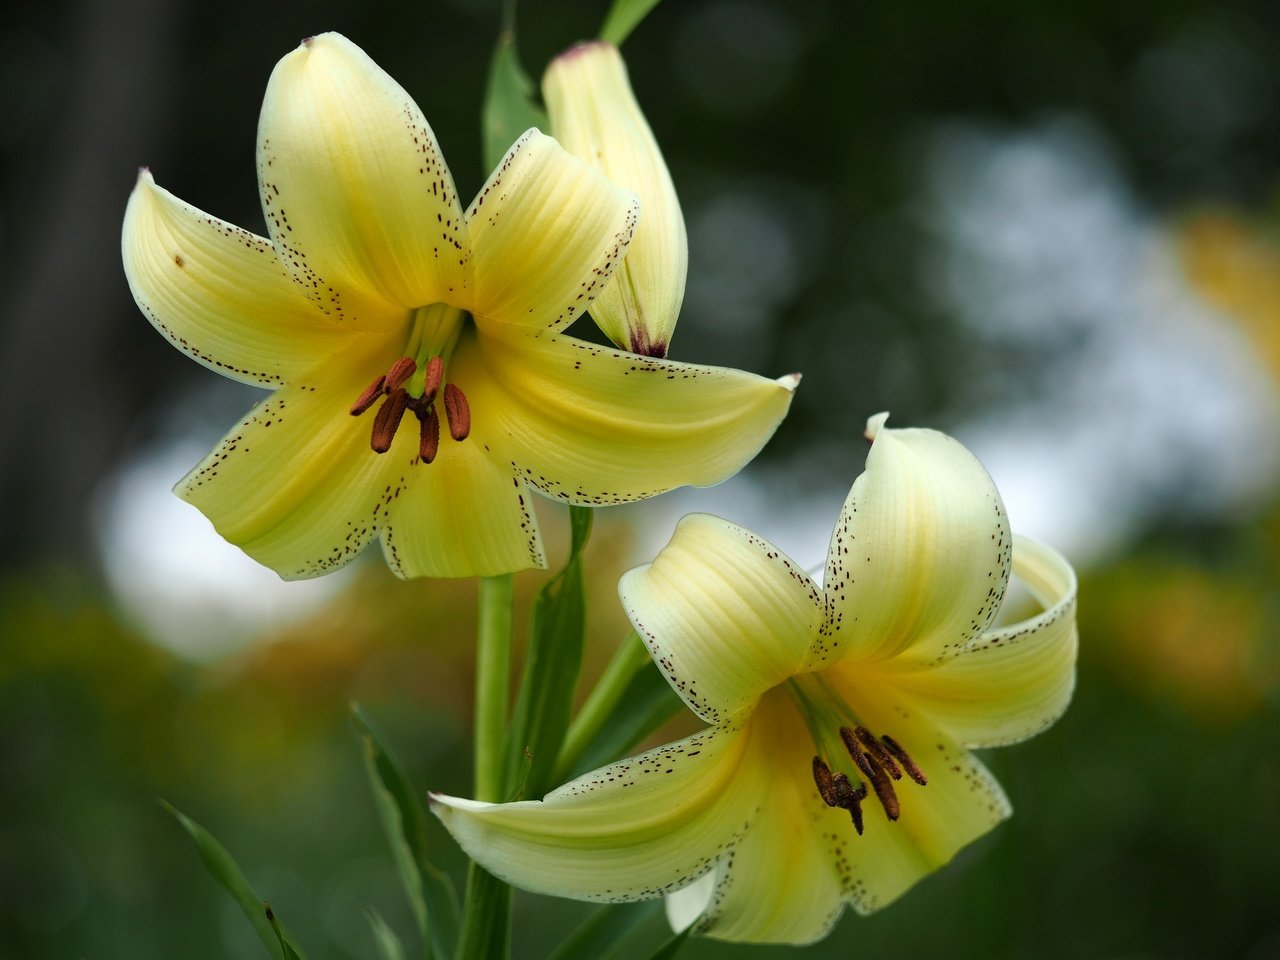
(1008, 684)
(634, 830)
(547, 232)
(961, 802)
(593, 426)
(595, 115)
(356, 193)
(463, 515)
(783, 882)
(295, 483)
(919, 558)
(725, 614)
(218, 293)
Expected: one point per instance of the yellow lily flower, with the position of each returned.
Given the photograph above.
(376, 289)
(594, 114)
(837, 767)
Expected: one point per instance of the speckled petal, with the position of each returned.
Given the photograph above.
(1008, 684)
(547, 232)
(295, 484)
(357, 196)
(631, 831)
(218, 293)
(591, 425)
(781, 883)
(961, 802)
(919, 558)
(725, 614)
(595, 115)
(464, 515)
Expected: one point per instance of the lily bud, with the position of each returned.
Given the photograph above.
(595, 117)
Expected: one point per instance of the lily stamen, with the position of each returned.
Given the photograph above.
(904, 758)
(874, 747)
(400, 373)
(428, 434)
(431, 383)
(388, 420)
(457, 411)
(366, 399)
(837, 791)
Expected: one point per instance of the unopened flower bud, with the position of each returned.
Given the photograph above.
(595, 117)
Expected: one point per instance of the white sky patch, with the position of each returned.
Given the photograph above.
(172, 573)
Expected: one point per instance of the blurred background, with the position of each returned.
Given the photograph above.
(1051, 229)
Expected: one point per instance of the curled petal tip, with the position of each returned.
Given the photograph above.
(580, 48)
(790, 381)
(874, 424)
(306, 41)
(144, 174)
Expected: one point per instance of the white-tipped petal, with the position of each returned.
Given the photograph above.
(1009, 683)
(218, 293)
(356, 193)
(594, 114)
(547, 232)
(725, 614)
(919, 558)
(631, 831)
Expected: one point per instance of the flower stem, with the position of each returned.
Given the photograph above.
(486, 918)
(493, 678)
(627, 661)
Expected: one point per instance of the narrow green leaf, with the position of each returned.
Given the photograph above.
(553, 660)
(389, 946)
(647, 703)
(287, 946)
(623, 17)
(509, 104)
(224, 869)
(431, 893)
(672, 946)
(605, 931)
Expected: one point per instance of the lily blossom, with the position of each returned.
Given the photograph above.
(836, 769)
(384, 316)
(594, 114)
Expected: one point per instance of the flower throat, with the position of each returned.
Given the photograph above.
(879, 761)
(412, 384)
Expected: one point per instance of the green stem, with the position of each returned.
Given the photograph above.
(493, 678)
(486, 917)
(628, 660)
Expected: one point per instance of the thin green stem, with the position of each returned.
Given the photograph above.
(486, 917)
(628, 660)
(493, 678)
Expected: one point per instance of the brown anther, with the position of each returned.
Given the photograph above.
(457, 411)
(852, 800)
(429, 435)
(399, 373)
(884, 790)
(826, 786)
(371, 393)
(859, 758)
(387, 421)
(431, 383)
(877, 749)
(904, 758)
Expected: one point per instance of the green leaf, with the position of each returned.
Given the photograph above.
(623, 17)
(389, 946)
(605, 931)
(553, 660)
(647, 703)
(431, 893)
(223, 868)
(509, 104)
